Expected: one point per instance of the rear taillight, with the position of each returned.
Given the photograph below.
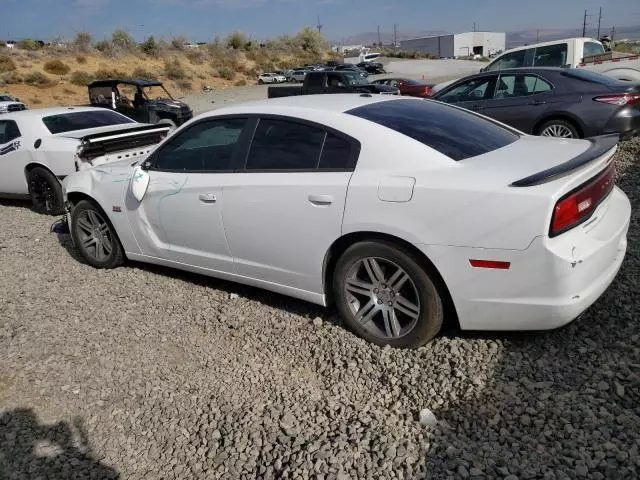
(577, 206)
(427, 91)
(620, 99)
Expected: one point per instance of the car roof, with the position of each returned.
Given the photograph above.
(135, 82)
(546, 44)
(521, 70)
(45, 112)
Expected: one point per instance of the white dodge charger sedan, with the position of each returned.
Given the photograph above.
(405, 213)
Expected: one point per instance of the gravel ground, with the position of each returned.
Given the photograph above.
(145, 372)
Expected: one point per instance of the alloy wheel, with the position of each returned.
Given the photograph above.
(382, 297)
(557, 130)
(95, 235)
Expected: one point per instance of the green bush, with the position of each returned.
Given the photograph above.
(82, 42)
(82, 79)
(81, 59)
(237, 41)
(56, 67)
(29, 44)
(226, 73)
(122, 41)
(195, 56)
(38, 79)
(173, 69)
(6, 64)
(149, 46)
(178, 42)
(143, 74)
(104, 46)
(108, 73)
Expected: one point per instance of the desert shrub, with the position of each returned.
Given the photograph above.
(226, 73)
(67, 91)
(195, 57)
(122, 41)
(82, 42)
(241, 82)
(81, 78)
(105, 73)
(178, 42)
(56, 67)
(238, 41)
(150, 46)
(35, 101)
(143, 74)
(38, 79)
(311, 41)
(29, 44)
(185, 85)
(10, 78)
(81, 59)
(6, 64)
(104, 46)
(174, 70)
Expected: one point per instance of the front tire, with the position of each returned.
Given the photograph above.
(95, 237)
(558, 128)
(45, 191)
(385, 295)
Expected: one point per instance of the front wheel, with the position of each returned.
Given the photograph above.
(558, 128)
(45, 191)
(95, 237)
(385, 296)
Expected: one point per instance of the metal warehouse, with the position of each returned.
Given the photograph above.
(458, 45)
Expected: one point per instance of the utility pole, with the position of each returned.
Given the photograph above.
(537, 35)
(599, 21)
(613, 35)
(395, 34)
(379, 41)
(319, 26)
(584, 23)
(474, 26)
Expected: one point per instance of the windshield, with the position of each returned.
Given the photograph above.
(70, 122)
(6, 98)
(156, 92)
(355, 79)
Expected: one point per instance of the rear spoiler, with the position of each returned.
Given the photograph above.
(99, 144)
(599, 146)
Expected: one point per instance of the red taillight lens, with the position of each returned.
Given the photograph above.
(576, 207)
(620, 99)
(427, 91)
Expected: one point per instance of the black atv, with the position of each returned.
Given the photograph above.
(144, 101)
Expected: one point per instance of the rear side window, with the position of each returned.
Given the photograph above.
(592, 48)
(551, 56)
(336, 153)
(593, 77)
(451, 131)
(69, 122)
(8, 131)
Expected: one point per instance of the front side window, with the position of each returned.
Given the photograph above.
(451, 131)
(509, 60)
(469, 91)
(593, 48)
(8, 131)
(73, 121)
(207, 146)
(551, 56)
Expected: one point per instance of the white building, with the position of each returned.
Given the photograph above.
(459, 44)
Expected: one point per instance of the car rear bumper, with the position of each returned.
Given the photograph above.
(626, 122)
(547, 285)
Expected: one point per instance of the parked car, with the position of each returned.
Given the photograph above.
(39, 148)
(411, 88)
(10, 104)
(309, 197)
(374, 68)
(298, 75)
(151, 102)
(555, 102)
(271, 78)
(348, 67)
(581, 53)
(332, 82)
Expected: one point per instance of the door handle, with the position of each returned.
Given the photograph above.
(538, 102)
(207, 198)
(321, 199)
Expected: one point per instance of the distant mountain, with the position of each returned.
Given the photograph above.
(514, 39)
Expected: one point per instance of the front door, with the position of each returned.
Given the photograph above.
(285, 209)
(470, 94)
(180, 216)
(13, 158)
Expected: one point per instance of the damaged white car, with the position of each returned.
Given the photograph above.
(39, 148)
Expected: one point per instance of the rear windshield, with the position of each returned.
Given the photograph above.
(593, 77)
(70, 122)
(451, 131)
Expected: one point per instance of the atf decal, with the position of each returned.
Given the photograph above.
(10, 148)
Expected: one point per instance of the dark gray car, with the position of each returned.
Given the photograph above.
(556, 102)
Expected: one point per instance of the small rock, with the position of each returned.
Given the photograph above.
(463, 472)
(234, 296)
(582, 470)
(427, 418)
(525, 420)
(603, 386)
(317, 322)
(619, 389)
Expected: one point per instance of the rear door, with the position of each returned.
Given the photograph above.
(13, 158)
(519, 100)
(285, 209)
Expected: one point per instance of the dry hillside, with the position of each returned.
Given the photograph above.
(51, 76)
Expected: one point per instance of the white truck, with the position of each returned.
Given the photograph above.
(581, 52)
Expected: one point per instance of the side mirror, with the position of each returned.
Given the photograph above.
(139, 183)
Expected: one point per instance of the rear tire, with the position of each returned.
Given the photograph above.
(45, 191)
(558, 128)
(385, 295)
(94, 236)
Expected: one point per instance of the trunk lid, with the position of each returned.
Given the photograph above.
(99, 142)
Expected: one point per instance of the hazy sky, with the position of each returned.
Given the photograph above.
(199, 20)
